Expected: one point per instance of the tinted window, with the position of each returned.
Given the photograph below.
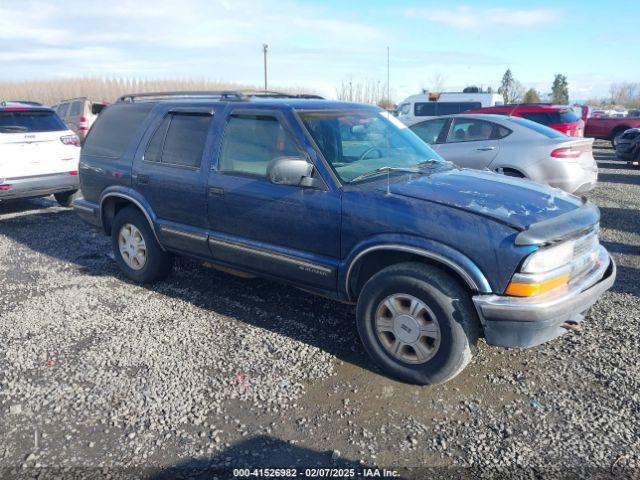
(425, 109)
(551, 118)
(76, 109)
(154, 149)
(185, 139)
(115, 129)
(546, 131)
(252, 141)
(30, 121)
(430, 130)
(469, 130)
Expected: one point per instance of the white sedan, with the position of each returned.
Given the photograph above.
(513, 146)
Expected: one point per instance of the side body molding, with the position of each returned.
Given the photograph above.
(435, 251)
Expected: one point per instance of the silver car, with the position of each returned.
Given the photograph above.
(513, 146)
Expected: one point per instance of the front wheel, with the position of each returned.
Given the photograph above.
(136, 250)
(417, 322)
(65, 199)
(616, 138)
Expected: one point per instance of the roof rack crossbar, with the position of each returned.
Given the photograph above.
(228, 95)
(217, 94)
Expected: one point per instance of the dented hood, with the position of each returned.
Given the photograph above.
(515, 202)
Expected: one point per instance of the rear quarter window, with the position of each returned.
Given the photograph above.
(18, 121)
(115, 129)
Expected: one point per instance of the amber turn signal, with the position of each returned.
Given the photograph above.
(530, 289)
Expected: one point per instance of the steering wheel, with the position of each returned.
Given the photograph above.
(364, 154)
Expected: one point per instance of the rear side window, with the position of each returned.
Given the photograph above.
(541, 129)
(115, 129)
(425, 109)
(179, 140)
(551, 118)
(76, 109)
(252, 141)
(18, 121)
(63, 109)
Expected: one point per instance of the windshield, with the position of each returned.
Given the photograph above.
(360, 142)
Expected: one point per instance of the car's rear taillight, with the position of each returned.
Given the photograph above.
(73, 172)
(83, 124)
(70, 140)
(4, 188)
(565, 152)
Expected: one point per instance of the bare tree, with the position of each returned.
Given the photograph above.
(437, 82)
(625, 93)
(363, 91)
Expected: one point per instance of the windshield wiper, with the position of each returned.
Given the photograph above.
(14, 128)
(387, 169)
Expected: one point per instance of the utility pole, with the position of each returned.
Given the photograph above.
(388, 87)
(265, 47)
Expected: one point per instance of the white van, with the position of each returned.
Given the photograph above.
(39, 155)
(428, 105)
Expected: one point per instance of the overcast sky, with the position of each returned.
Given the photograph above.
(318, 44)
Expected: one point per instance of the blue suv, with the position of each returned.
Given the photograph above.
(342, 200)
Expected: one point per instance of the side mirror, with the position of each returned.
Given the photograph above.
(291, 171)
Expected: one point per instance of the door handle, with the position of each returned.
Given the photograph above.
(485, 149)
(216, 192)
(143, 179)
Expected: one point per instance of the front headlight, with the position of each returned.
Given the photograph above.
(550, 258)
(550, 268)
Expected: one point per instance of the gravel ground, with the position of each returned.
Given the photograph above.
(102, 377)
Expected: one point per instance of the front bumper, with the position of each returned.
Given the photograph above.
(527, 322)
(39, 186)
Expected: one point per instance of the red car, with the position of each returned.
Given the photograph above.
(558, 117)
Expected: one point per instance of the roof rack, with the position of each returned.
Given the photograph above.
(225, 95)
(218, 95)
(274, 94)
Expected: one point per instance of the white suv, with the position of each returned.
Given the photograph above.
(38, 154)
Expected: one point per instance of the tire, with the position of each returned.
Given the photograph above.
(65, 199)
(616, 136)
(447, 303)
(157, 263)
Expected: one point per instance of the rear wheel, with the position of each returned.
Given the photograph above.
(417, 322)
(136, 250)
(65, 199)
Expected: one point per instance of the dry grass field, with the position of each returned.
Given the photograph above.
(50, 92)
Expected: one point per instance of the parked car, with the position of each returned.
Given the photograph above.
(429, 105)
(38, 154)
(515, 147)
(558, 117)
(627, 142)
(79, 114)
(342, 200)
(610, 128)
